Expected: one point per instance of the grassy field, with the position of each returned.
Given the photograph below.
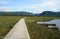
(40, 31)
(36, 31)
(6, 23)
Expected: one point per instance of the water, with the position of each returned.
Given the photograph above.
(57, 22)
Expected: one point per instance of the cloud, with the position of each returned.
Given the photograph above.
(5, 9)
(51, 5)
(8, 9)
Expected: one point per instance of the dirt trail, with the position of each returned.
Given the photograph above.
(19, 31)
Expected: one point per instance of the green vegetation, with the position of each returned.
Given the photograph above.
(38, 31)
(7, 23)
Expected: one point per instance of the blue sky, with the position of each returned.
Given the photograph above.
(35, 6)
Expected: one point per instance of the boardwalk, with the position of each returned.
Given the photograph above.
(19, 31)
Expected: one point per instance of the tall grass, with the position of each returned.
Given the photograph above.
(40, 31)
(7, 23)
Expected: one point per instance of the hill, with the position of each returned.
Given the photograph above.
(16, 13)
(44, 13)
(49, 13)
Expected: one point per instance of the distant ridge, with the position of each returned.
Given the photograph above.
(48, 13)
(16, 13)
(44, 13)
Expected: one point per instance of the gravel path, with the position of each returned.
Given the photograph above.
(19, 31)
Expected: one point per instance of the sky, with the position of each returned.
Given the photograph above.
(36, 6)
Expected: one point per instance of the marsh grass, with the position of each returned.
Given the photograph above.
(7, 23)
(38, 31)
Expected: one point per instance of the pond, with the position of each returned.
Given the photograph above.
(55, 21)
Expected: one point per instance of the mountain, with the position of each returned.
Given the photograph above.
(49, 13)
(22, 13)
(16, 13)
